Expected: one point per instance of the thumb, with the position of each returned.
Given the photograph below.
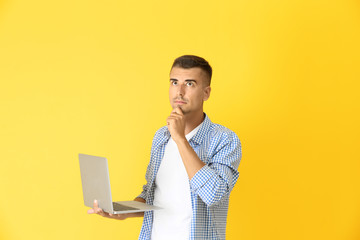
(96, 204)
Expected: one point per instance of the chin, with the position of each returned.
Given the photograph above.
(184, 110)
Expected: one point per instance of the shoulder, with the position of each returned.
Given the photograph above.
(161, 134)
(221, 133)
(161, 131)
(222, 144)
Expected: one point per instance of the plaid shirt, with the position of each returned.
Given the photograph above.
(220, 149)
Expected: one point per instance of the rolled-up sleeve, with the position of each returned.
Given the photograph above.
(145, 187)
(216, 179)
(143, 194)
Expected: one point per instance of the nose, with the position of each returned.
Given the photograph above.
(181, 90)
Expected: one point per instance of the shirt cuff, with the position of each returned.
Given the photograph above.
(142, 195)
(201, 177)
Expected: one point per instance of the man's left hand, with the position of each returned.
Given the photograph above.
(176, 124)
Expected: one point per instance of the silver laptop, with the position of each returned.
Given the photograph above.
(96, 185)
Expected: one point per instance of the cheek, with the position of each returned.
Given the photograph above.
(197, 98)
(171, 92)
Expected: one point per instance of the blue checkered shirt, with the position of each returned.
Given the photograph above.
(220, 149)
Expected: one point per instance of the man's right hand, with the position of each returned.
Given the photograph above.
(99, 211)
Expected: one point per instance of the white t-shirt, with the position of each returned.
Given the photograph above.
(172, 193)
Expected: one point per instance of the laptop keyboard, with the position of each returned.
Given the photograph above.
(120, 207)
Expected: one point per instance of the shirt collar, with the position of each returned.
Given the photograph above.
(199, 136)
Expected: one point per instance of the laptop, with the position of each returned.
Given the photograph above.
(96, 185)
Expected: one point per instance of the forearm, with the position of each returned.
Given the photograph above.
(189, 157)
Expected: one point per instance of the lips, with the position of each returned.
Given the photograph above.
(180, 102)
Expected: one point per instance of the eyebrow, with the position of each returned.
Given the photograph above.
(187, 80)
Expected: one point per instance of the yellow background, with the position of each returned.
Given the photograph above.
(92, 77)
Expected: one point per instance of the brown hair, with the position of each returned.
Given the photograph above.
(192, 61)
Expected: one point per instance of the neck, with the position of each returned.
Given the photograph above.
(192, 121)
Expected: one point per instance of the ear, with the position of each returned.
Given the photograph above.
(207, 91)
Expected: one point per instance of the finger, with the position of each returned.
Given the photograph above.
(172, 117)
(90, 211)
(178, 110)
(170, 120)
(102, 213)
(175, 116)
(96, 204)
(98, 210)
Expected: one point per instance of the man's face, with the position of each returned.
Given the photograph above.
(188, 89)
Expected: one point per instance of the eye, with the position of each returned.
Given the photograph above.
(174, 82)
(189, 84)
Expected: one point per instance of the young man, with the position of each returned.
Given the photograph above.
(193, 165)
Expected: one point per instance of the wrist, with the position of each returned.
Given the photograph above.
(180, 140)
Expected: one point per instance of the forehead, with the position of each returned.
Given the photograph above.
(188, 73)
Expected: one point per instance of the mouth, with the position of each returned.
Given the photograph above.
(179, 102)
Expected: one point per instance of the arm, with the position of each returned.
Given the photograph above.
(190, 159)
(217, 178)
(214, 180)
(176, 126)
